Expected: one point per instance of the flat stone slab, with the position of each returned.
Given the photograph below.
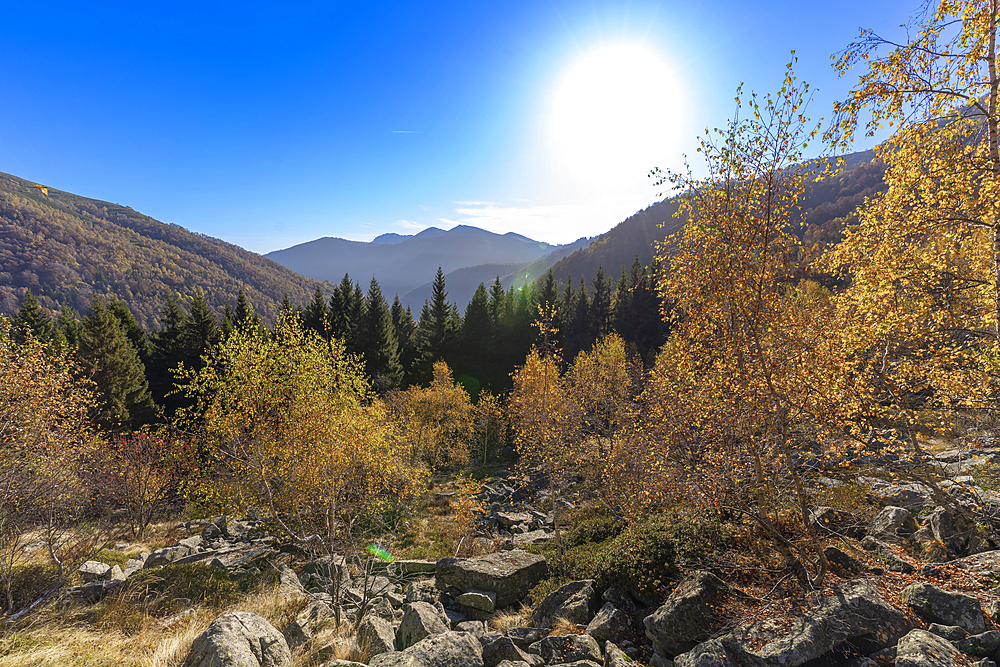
(509, 574)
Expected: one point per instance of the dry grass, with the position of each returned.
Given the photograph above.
(505, 621)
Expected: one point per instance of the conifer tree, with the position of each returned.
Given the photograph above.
(168, 351)
(497, 297)
(477, 337)
(315, 316)
(136, 336)
(600, 306)
(437, 332)
(199, 332)
(406, 329)
(66, 329)
(244, 312)
(380, 347)
(113, 364)
(31, 318)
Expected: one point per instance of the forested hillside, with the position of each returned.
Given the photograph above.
(68, 249)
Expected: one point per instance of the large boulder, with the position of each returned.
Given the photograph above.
(93, 570)
(837, 522)
(556, 649)
(376, 635)
(575, 602)
(608, 624)
(509, 574)
(854, 614)
(709, 653)
(886, 554)
(685, 619)
(239, 639)
(945, 607)
(503, 648)
(167, 555)
(449, 649)
(922, 649)
(420, 619)
(892, 521)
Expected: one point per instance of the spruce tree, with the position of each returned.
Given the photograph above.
(244, 314)
(600, 307)
(136, 336)
(32, 319)
(497, 298)
(406, 330)
(437, 327)
(477, 338)
(199, 333)
(315, 316)
(107, 355)
(380, 347)
(168, 351)
(66, 330)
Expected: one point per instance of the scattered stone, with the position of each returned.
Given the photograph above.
(192, 542)
(508, 520)
(843, 561)
(510, 574)
(892, 521)
(239, 639)
(920, 648)
(983, 645)
(556, 649)
(135, 564)
(945, 607)
(575, 602)
(116, 574)
(525, 637)
(685, 619)
(297, 632)
(854, 614)
(166, 556)
(93, 570)
(503, 648)
(476, 628)
(709, 653)
(608, 624)
(912, 496)
(837, 522)
(949, 632)
(422, 591)
(289, 582)
(615, 657)
(420, 620)
(376, 635)
(454, 649)
(885, 553)
(481, 600)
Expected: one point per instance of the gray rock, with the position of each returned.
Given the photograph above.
(892, 521)
(93, 570)
(983, 645)
(615, 657)
(556, 649)
(886, 554)
(135, 564)
(575, 602)
(657, 660)
(608, 624)
(376, 635)
(239, 531)
(406, 567)
(420, 620)
(449, 649)
(166, 556)
(116, 574)
(422, 591)
(512, 663)
(192, 542)
(477, 628)
(239, 639)
(91, 592)
(685, 619)
(943, 526)
(912, 495)
(578, 663)
(510, 574)
(525, 637)
(507, 520)
(297, 632)
(843, 560)
(854, 613)
(289, 582)
(922, 649)
(481, 600)
(709, 653)
(945, 607)
(503, 648)
(949, 632)
(983, 564)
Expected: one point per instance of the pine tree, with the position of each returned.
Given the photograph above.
(406, 329)
(67, 328)
(245, 314)
(437, 330)
(497, 299)
(107, 355)
(168, 351)
(31, 318)
(315, 316)
(136, 336)
(199, 333)
(477, 338)
(600, 307)
(379, 344)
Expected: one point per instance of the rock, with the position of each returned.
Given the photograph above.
(912, 496)
(481, 600)
(982, 645)
(449, 649)
(983, 564)
(929, 547)
(503, 648)
(135, 564)
(507, 520)
(685, 619)
(477, 628)
(843, 561)
(420, 620)
(509, 574)
(92, 592)
(297, 632)
(192, 542)
(922, 649)
(534, 537)
(401, 568)
(376, 635)
(525, 637)
(166, 556)
(945, 607)
(556, 649)
(837, 522)
(886, 554)
(892, 521)
(289, 582)
(239, 639)
(943, 526)
(239, 531)
(575, 602)
(855, 613)
(949, 632)
(578, 663)
(422, 591)
(608, 624)
(93, 570)
(512, 663)
(709, 653)
(211, 532)
(615, 657)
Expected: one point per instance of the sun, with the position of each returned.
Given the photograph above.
(615, 114)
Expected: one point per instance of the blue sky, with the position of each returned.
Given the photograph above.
(272, 124)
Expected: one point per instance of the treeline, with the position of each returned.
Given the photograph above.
(134, 370)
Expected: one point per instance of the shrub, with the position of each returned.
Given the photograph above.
(640, 560)
(158, 588)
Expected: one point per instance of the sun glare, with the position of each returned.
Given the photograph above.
(615, 114)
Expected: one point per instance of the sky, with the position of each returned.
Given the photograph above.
(271, 124)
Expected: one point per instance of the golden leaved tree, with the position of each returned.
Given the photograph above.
(750, 376)
(298, 436)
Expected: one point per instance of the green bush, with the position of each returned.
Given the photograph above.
(640, 560)
(29, 582)
(111, 557)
